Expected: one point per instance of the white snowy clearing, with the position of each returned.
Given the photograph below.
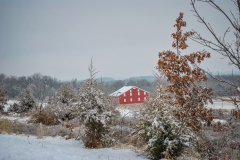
(221, 105)
(126, 112)
(29, 148)
(9, 102)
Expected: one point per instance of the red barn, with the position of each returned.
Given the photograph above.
(130, 95)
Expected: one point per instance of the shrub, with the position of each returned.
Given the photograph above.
(63, 105)
(40, 133)
(62, 110)
(220, 141)
(46, 117)
(32, 129)
(66, 94)
(6, 126)
(57, 130)
(24, 128)
(14, 107)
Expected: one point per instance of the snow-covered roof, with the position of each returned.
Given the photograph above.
(121, 90)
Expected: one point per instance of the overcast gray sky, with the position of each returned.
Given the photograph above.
(59, 37)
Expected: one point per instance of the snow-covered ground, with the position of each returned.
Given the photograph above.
(29, 148)
(219, 120)
(126, 112)
(10, 102)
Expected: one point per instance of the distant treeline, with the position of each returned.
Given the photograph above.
(15, 85)
(223, 89)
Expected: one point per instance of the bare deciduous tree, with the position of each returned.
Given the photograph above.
(229, 50)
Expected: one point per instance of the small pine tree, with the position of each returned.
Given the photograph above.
(159, 129)
(3, 99)
(96, 112)
(66, 94)
(27, 100)
(63, 104)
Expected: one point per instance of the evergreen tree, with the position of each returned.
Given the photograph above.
(27, 100)
(66, 93)
(96, 112)
(63, 105)
(3, 99)
(159, 129)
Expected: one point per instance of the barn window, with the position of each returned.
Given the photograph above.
(131, 99)
(138, 99)
(124, 94)
(144, 98)
(138, 92)
(124, 100)
(130, 94)
(131, 91)
(144, 93)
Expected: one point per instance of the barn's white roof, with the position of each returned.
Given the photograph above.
(121, 90)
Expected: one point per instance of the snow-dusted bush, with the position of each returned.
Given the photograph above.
(31, 129)
(96, 113)
(66, 94)
(46, 117)
(221, 140)
(63, 105)
(13, 107)
(62, 111)
(58, 130)
(24, 128)
(26, 101)
(159, 129)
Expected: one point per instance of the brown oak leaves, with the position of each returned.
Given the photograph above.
(186, 80)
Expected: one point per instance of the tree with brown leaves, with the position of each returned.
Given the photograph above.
(185, 77)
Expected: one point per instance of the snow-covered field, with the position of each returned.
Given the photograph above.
(221, 105)
(29, 148)
(126, 112)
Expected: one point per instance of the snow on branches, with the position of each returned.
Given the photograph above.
(3, 99)
(185, 77)
(64, 104)
(27, 100)
(158, 127)
(96, 112)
